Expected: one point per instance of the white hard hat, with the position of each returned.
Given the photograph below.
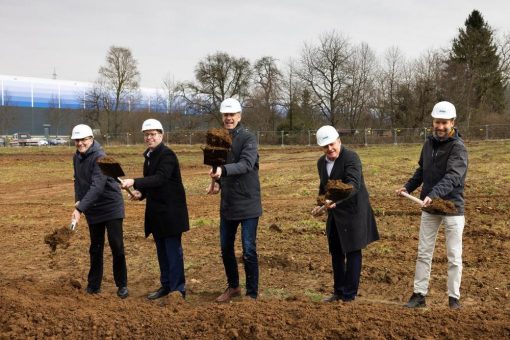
(152, 124)
(230, 105)
(326, 135)
(81, 131)
(444, 110)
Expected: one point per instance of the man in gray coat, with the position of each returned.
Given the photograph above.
(239, 183)
(442, 171)
(100, 199)
(351, 224)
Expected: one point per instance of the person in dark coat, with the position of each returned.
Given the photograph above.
(100, 199)
(166, 213)
(442, 171)
(240, 202)
(350, 225)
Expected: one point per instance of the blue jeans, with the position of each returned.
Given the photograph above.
(346, 267)
(228, 230)
(171, 263)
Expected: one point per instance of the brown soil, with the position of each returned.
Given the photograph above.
(42, 293)
(107, 160)
(440, 206)
(337, 190)
(218, 138)
(59, 237)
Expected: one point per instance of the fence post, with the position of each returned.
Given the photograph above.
(190, 134)
(258, 137)
(486, 132)
(365, 137)
(282, 136)
(424, 134)
(309, 136)
(394, 136)
(127, 138)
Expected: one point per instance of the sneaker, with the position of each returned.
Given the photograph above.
(416, 300)
(453, 303)
(332, 298)
(228, 294)
(122, 292)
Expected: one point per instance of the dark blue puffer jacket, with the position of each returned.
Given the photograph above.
(100, 197)
(442, 170)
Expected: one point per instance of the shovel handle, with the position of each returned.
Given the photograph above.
(412, 198)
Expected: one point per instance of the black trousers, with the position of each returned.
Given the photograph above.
(346, 267)
(115, 239)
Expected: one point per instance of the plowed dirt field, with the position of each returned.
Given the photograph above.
(42, 294)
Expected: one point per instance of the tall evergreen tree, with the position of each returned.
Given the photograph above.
(473, 77)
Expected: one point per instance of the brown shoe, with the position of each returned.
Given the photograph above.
(228, 294)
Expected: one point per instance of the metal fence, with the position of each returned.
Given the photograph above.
(357, 137)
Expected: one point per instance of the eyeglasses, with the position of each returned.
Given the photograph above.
(150, 135)
(82, 140)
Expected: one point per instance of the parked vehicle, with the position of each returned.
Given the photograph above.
(58, 141)
(42, 142)
(23, 139)
(2, 141)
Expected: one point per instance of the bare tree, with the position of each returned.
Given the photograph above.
(218, 76)
(116, 88)
(323, 70)
(268, 82)
(359, 90)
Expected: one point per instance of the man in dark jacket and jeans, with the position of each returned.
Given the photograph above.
(166, 213)
(100, 199)
(240, 202)
(442, 171)
(351, 225)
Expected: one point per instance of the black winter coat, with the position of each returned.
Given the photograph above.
(100, 197)
(353, 216)
(240, 186)
(166, 212)
(442, 170)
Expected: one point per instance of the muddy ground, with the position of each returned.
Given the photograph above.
(42, 294)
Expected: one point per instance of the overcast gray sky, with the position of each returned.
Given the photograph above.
(170, 37)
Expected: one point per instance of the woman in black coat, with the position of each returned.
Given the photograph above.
(166, 213)
(351, 224)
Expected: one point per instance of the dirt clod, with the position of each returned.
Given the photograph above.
(218, 138)
(337, 190)
(440, 206)
(59, 237)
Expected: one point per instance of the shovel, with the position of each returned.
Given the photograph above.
(111, 168)
(437, 205)
(218, 142)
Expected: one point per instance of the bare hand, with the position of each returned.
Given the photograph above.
(214, 188)
(215, 175)
(137, 195)
(126, 183)
(427, 201)
(400, 191)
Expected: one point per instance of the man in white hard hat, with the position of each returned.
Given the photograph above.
(100, 199)
(240, 202)
(442, 170)
(351, 225)
(166, 213)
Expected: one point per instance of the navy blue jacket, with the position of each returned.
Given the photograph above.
(240, 186)
(353, 216)
(100, 197)
(166, 212)
(442, 170)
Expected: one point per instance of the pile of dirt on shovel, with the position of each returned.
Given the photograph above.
(59, 237)
(218, 138)
(337, 190)
(440, 206)
(107, 160)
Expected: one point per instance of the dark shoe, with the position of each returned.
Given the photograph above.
(332, 298)
(228, 294)
(122, 292)
(348, 299)
(91, 290)
(453, 303)
(416, 300)
(158, 294)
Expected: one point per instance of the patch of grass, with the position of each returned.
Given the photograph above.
(313, 296)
